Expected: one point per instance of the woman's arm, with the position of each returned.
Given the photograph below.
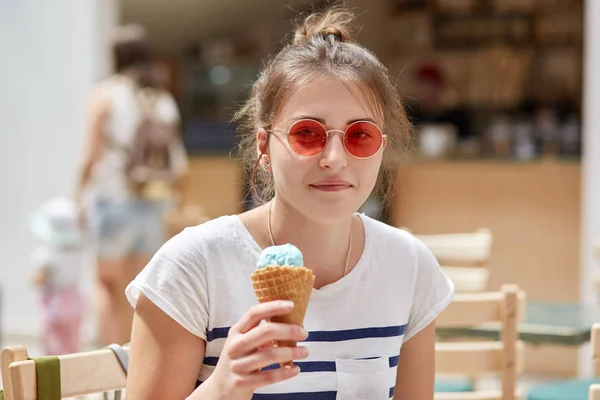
(416, 367)
(98, 112)
(165, 358)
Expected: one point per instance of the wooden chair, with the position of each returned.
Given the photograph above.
(463, 256)
(466, 249)
(81, 374)
(503, 357)
(10, 355)
(467, 279)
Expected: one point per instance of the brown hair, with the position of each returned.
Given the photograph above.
(131, 47)
(322, 46)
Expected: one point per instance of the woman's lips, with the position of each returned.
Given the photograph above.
(331, 186)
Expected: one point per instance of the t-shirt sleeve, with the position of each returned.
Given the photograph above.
(433, 292)
(175, 281)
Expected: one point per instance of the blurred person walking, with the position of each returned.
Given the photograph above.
(57, 263)
(133, 167)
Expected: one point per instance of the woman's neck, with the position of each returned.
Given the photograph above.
(325, 247)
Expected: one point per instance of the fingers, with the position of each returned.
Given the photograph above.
(263, 378)
(262, 311)
(263, 358)
(266, 345)
(250, 347)
(265, 334)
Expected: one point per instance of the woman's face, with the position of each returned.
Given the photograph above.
(331, 185)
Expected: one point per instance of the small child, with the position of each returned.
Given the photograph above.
(57, 264)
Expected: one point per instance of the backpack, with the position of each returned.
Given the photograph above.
(149, 160)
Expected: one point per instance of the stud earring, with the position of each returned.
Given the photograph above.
(266, 166)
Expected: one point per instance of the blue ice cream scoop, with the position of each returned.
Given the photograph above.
(286, 254)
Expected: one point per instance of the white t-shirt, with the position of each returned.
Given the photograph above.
(201, 279)
(63, 266)
(108, 179)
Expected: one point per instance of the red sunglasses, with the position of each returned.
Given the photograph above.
(307, 137)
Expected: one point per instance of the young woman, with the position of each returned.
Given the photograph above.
(127, 228)
(323, 122)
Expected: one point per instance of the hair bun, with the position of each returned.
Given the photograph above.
(336, 33)
(335, 23)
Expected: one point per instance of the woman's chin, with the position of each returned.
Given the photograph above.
(329, 213)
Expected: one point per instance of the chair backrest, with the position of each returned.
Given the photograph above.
(458, 253)
(80, 374)
(468, 279)
(463, 249)
(9, 355)
(504, 356)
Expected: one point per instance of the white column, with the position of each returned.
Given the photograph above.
(590, 172)
(50, 56)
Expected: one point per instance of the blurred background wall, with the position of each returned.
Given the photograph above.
(52, 52)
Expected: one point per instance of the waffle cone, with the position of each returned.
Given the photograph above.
(285, 283)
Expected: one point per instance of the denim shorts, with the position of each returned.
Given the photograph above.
(125, 228)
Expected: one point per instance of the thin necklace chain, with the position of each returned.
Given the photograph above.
(273, 241)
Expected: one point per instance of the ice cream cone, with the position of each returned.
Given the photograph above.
(285, 283)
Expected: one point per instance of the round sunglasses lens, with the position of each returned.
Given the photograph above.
(363, 139)
(307, 138)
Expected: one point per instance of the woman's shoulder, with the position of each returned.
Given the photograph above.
(385, 233)
(109, 91)
(394, 243)
(195, 248)
(110, 83)
(209, 235)
(400, 246)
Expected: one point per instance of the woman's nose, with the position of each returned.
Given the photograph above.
(334, 154)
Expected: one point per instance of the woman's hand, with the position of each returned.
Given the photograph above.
(249, 348)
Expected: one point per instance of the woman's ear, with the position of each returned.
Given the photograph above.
(262, 149)
(262, 142)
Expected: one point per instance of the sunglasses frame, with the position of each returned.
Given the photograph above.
(327, 133)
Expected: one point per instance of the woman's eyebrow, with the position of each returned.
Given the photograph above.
(322, 121)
